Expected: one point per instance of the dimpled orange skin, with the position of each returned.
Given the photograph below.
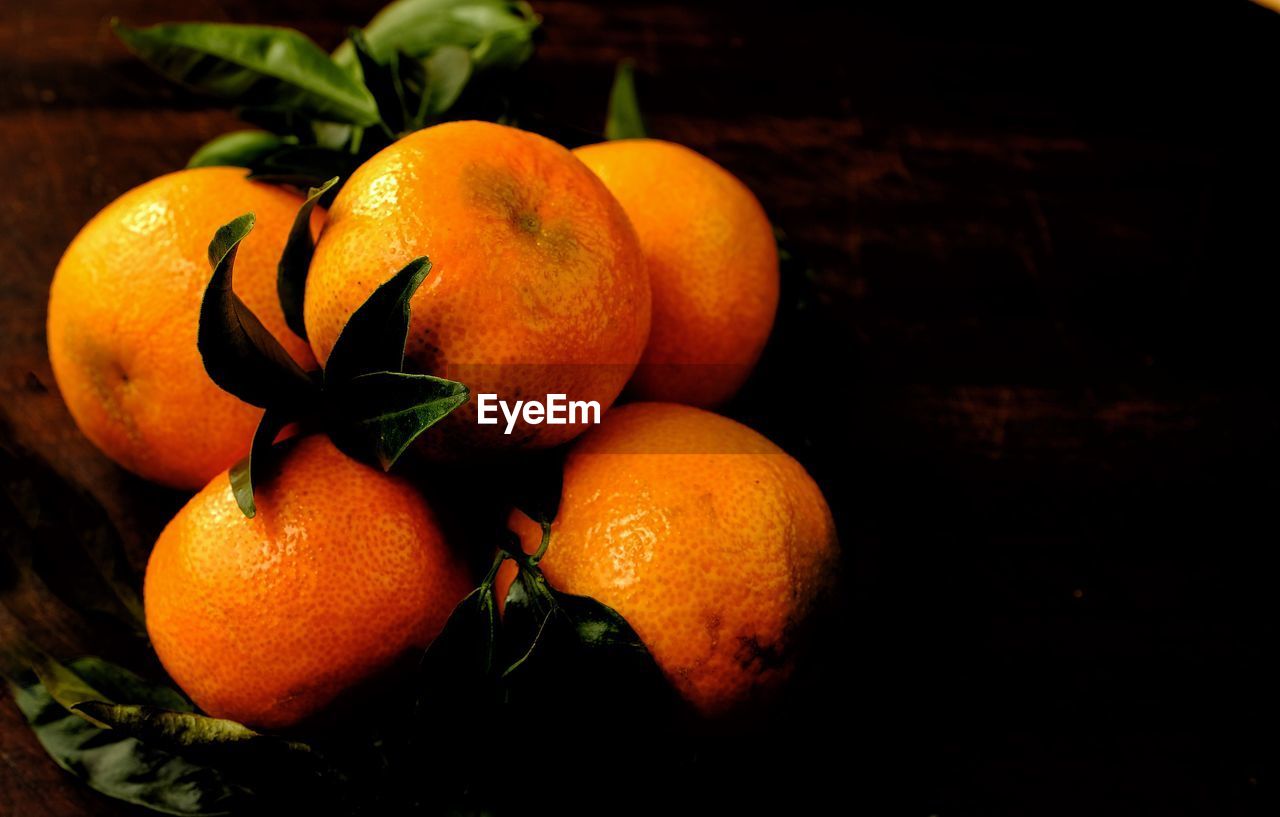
(124, 309)
(266, 620)
(713, 267)
(537, 283)
(710, 540)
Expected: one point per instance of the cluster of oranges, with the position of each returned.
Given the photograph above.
(634, 268)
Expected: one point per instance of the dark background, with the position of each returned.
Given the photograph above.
(1033, 368)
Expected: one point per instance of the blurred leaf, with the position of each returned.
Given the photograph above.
(253, 469)
(295, 261)
(145, 743)
(239, 148)
(381, 77)
(305, 166)
(573, 655)
(293, 127)
(119, 684)
(460, 664)
(447, 73)
(379, 415)
(334, 135)
(498, 34)
(239, 354)
(374, 336)
(253, 66)
(623, 120)
(113, 762)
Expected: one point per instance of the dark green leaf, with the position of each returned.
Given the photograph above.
(378, 416)
(498, 34)
(119, 684)
(575, 656)
(239, 354)
(457, 706)
(382, 79)
(447, 73)
(529, 609)
(254, 66)
(253, 470)
(374, 337)
(295, 261)
(114, 762)
(185, 731)
(292, 126)
(623, 120)
(304, 166)
(241, 148)
(461, 661)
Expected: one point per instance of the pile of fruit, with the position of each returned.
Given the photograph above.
(306, 350)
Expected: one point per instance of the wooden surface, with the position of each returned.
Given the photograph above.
(1034, 370)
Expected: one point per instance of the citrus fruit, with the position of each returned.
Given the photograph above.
(124, 310)
(711, 541)
(537, 284)
(268, 620)
(713, 267)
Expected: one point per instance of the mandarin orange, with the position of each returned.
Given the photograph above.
(712, 542)
(713, 267)
(124, 308)
(537, 284)
(268, 620)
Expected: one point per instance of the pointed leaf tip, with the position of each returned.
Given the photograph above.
(377, 416)
(295, 261)
(239, 354)
(623, 120)
(373, 339)
(251, 471)
(228, 237)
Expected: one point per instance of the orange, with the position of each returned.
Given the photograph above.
(123, 313)
(712, 542)
(267, 620)
(537, 284)
(713, 267)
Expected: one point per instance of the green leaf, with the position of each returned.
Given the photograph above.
(119, 684)
(448, 70)
(291, 274)
(381, 77)
(623, 120)
(113, 762)
(498, 34)
(577, 657)
(374, 337)
(292, 126)
(253, 66)
(379, 415)
(574, 635)
(253, 469)
(463, 658)
(241, 148)
(458, 697)
(304, 166)
(239, 354)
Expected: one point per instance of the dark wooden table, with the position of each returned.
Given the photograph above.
(1034, 369)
